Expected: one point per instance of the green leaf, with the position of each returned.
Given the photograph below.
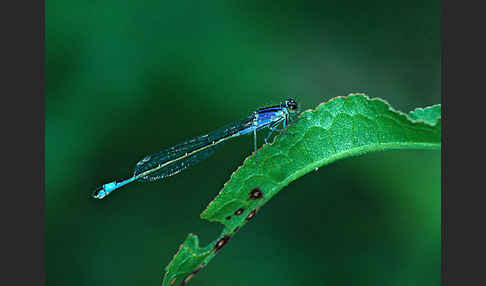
(340, 128)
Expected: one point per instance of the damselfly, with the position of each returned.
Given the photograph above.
(175, 159)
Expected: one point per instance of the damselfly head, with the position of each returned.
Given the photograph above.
(291, 104)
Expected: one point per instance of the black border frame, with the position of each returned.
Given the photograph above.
(24, 81)
(463, 203)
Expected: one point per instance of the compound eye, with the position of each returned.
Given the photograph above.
(291, 103)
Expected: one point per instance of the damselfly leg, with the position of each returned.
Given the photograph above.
(255, 140)
(273, 127)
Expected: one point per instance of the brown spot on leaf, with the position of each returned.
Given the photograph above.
(173, 280)
(236, 229)
(239, 211)
(250, 215)
(188, 277)
(255, 194)
(221, 242)
(228, 217)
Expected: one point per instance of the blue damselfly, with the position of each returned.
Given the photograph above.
(175, 159)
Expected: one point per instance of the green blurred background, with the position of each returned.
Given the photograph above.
(128, 78)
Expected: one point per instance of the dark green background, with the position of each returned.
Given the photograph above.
(128, 78)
